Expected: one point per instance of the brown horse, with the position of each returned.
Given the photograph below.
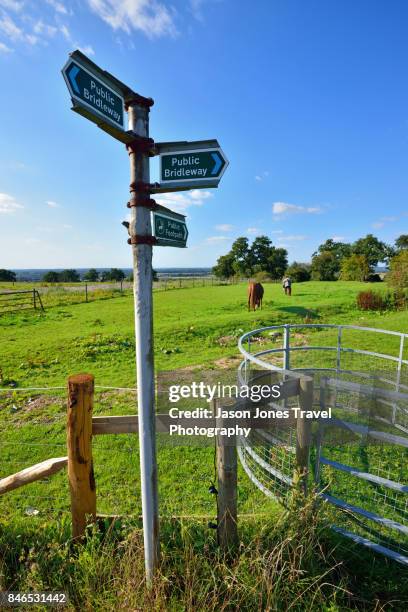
(255, 295)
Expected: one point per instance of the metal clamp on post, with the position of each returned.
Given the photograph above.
(142, 199)
(138, 99)
(142, 240)
(141, 187)
(142, 145)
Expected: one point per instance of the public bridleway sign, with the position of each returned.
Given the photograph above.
(94, 93)
(190, 165)
(170, 229)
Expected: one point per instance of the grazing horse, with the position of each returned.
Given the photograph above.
(255, 295)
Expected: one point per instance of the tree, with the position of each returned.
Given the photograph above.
(339, 249)
(401, 242)
(116, 274)
(299, 272)
(241, 257)
(373, 249)
(69, 276)
(277, 263)
(264, 257)
(51, 277)
(398, 274)
(325, 266)
(225, 266)
(8, 276)
(91, 275)
(355, 268)
(259, 253)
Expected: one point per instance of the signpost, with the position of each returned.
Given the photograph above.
(190, 165)
(103, 99)
(170, 229)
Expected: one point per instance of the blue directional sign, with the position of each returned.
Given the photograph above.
(92, 91)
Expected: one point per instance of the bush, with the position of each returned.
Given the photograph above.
(368, 300)
(262, 277)
(398, 274)
(299, 272)
(325, 266)
(354, 268)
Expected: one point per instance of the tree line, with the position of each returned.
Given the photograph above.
(331, 261)
(92, 275)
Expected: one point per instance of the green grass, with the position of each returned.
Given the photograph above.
(192, 326)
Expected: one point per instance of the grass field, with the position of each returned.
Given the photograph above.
(193, 327)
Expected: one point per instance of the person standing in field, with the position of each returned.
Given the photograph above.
(287, 285)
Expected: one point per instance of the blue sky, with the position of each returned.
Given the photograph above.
(309, 101)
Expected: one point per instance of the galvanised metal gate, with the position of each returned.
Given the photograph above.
(359, 457)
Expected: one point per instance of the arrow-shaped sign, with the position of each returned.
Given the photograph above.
(170, 229)
(197, 166)
(93, 93)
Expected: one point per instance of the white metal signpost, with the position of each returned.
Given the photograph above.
(103, 99)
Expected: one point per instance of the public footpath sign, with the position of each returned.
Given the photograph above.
(93, 92)
(170, 229)
(191, 168)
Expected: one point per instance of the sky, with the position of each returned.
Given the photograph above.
(309, 101)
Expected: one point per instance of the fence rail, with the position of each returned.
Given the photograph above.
(13, 301)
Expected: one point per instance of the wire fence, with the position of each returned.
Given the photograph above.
(33, 429)
(59, 294)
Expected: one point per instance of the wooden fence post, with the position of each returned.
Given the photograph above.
(79, 446)
(227, 489)
(34, 300)
(304, 431)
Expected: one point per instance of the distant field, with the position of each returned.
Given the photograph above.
(192, 326)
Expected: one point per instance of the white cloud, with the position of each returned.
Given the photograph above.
(276, 232)
(224, 227)
(338, 238)
(253, 230)
(293, 237)
(389, 219)
(260, 177)
(87, 50)
(379, 224)
(282, 208)
(44, 28)
(58, 7)
(66, 33)
(4, 48)
(52, 204)
(8, 204)
(181, 201)
(10, 28)
(218, 238)
(12, 5)
(152, 17)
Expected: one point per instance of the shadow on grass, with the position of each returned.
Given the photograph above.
(301, 312)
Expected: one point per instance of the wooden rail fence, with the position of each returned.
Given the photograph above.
(12, 301)
(82, 426)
